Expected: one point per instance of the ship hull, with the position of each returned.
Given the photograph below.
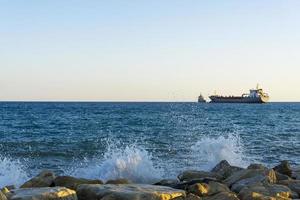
(218, 99)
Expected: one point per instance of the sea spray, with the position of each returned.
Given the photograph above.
(12, 172)
(209, 150)
(132, 162)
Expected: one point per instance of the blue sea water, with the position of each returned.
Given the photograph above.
(142, 141)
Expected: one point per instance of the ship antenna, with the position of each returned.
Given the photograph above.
(257, 86)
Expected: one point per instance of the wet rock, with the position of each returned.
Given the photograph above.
(248, 182)
(44, 193)
(203, 189)
(296, 172)
(127, 192)
(44, 179)
(190, 196)
(10, 187)
(5, 190)
(256, 166)
(282, 177)
(248, 173)
(222, 196)
(224, 169)
(184, 185)
(294, 185)
(194, 174)
(118, 181)
(2, 196)
(284, 168)
(168, 182)
(72, 182)
(265, 191)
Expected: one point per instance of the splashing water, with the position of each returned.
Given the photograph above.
(11, 172)
(211, 150)
(133, 163)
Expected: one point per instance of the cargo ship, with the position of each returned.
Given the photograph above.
(255, 96)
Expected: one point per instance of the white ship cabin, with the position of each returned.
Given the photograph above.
(255, 93)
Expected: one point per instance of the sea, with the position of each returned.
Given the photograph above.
(142, 141)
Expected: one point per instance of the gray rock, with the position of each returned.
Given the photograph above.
(282, 177)
(256, 166)
(224, 169)
(294, 185)
(284, 168)
(203, 189)
(184, 185)
(248, 182)
(2, 196)
(296, 172)
(44, 179)
(127, 192)
(248, 173)
(168, 182)
(44, 193)
(190, 196)
(222, 196)
(118, 181)
(194, 174)
(265, 191)
(72, 182)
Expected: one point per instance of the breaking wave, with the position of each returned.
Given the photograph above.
(132, 162)
(209, 151)
(138, 165)
(12, 172)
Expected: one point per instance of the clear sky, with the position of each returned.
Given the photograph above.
(141, 50)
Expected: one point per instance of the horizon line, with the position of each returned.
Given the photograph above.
(115, 101)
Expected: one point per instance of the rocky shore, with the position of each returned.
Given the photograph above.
(221, 183)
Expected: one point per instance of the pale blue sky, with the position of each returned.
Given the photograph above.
(148, 50)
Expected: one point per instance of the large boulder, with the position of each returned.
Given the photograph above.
(284, 168)
(118, 181)
(203, 189)
(5, 191)
(72, 182)
(265, 192)
(44, 179)
(127, 192)
(194, 174)
(294, 185)
(168, 182)
(2, 196)
(224, 169)
(185, 184)
(281, 177)
(256, 166)
(44, 193)
(248, 182)
(222, 196)
(189, 196)
(296, 172)
(249, 173)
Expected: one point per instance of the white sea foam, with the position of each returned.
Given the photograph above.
(208, 151)
(11, 172)
(132, 162)
(135, 163)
